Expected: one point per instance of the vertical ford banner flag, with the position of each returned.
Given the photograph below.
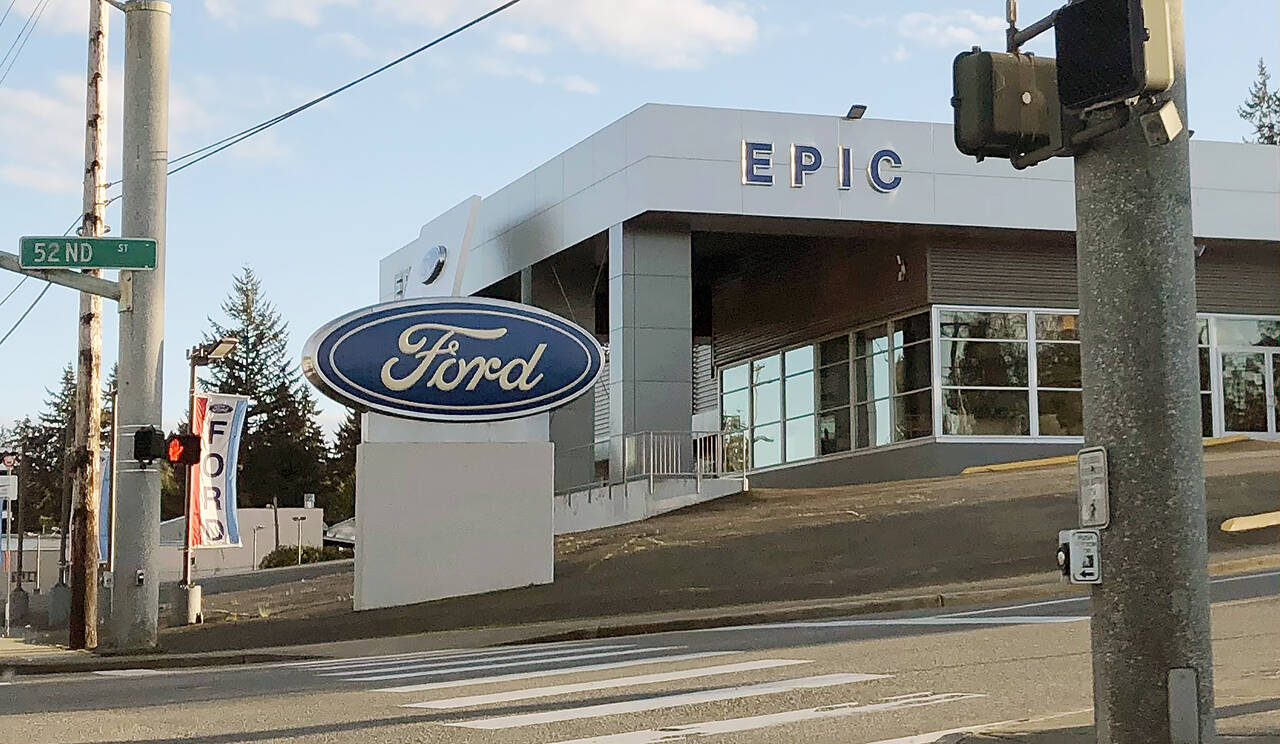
(211, 499)
(104, 509)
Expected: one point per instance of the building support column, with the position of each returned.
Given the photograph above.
(650, 338)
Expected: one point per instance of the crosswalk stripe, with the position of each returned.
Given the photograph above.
(431, 662)
(311, 663)
(517, 676)
(603, 684)
(665, 701)
(730, 725)
(127, 672)
(504, 664)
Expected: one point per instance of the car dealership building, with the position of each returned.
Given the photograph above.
(818, 300)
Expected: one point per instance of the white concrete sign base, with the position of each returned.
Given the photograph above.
(444, 519)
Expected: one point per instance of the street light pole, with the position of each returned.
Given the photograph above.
(135, 591)
(1152, 662)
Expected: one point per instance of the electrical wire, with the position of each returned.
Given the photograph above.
(15, 289)
(6, 12)
(23, 45)
(222, 144)
(39, 297)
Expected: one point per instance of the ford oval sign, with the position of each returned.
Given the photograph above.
(452, 359)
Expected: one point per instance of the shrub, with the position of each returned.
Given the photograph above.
(287, 555)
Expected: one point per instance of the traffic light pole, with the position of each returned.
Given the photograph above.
(136, 585)
(1152, 663)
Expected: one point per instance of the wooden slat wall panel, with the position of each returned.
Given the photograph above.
(800, 290)
(704, 379)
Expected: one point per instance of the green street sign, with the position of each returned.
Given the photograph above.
(40, 252)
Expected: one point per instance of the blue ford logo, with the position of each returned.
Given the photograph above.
(219, 408)
(452, 359)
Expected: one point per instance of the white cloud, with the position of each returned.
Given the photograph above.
(961, 28)
(900, 53)
(504, 68)
(349, 43)
(655, 33)
(62, 17)
(304, 12)
(858, 21)
(523, 43)
(579, 84)
(42, 136)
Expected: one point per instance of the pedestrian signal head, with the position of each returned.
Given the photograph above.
(183, 449)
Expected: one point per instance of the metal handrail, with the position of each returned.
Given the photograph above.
(654, 455)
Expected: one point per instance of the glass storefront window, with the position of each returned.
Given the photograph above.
(913, 415)
(833, 432)
(979, 324)
(1061, 413)
(911, 368)
(871, 377)
(870, 341)
(1057, 327)
(874, 425)
(833, 386)
(1202, 331)
(1240, 332)
(734, 378)
(800, 439)
(766, 445)
(763, 370)
(798, 393)
(1058, 365)
(766, 402)
(911, 329)
(985, 412)
(798, 360)
(833, 350)
(734, 412)
(1244, 392)
(983, 363)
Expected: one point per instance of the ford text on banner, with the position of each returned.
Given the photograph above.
(211, 499)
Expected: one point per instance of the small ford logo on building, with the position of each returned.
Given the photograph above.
(219, 408)
(452, 359)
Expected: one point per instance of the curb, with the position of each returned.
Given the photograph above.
(587, 629)
(1001, 467)
(105, 663)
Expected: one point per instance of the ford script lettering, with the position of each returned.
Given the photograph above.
(452, 359)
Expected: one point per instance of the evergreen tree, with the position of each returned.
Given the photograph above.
(282, 452)
(44, 442)
(340, 480)
(1262, 108)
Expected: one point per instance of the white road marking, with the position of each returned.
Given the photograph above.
(749, 723)
(604, 684)
(128, 672)
(522, 662)
(935, 620)
(517, 676)
(462, 661)
(1225, 579)
(665, 701)
(933, 736)
(435, 653)
(433, 661)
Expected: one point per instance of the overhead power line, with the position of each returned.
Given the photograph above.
(6, 12)
(30, 28)
(222, 144)
(39, 297)
(15, 289)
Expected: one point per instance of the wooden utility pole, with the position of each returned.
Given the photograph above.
(86, 469)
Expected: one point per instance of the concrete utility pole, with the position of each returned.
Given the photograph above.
(136, 585)
(1152, 667)
(86, 465)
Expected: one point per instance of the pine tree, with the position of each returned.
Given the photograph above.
(340, 480)
(1262, 108)
(43, 442)
(282, 452)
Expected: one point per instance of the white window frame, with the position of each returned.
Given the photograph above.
(1215, 373)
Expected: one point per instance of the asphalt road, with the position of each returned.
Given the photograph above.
(902, 678)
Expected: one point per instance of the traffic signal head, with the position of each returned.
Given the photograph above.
(1112, 50)
(183, 449)
(148, 444)
(1005, 104)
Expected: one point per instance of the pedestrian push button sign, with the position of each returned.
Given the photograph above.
(1095, 501)
(1080, 555)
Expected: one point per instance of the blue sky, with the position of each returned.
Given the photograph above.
(313, 204)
